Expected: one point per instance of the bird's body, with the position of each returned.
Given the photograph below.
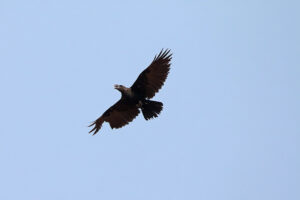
(137, 97)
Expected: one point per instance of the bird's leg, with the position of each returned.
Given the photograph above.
(140, 104)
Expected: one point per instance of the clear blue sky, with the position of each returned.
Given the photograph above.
(230, 128)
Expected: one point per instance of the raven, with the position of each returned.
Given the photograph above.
(137, 97)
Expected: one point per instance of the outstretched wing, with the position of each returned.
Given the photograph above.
(118, 115)
(153, 77)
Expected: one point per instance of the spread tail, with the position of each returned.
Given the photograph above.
(151, 109)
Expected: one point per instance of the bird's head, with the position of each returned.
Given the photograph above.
(119, 87)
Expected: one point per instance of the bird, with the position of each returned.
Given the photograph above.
(137, 97)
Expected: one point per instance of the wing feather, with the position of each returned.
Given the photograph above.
(118, 115)
(153, 77)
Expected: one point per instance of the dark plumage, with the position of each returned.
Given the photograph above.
(137, 96)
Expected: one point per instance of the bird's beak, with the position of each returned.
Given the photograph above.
(116, 86)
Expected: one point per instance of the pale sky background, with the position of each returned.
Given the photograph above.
(230, 128)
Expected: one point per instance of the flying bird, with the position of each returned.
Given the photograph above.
(136, 97)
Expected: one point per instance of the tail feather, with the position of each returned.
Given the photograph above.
(151, 109)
